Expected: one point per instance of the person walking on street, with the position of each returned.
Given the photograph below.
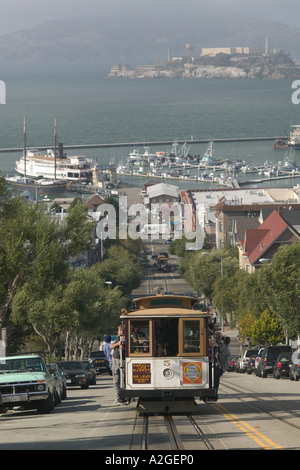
(218, 355)
(118, 363)
(107, 351)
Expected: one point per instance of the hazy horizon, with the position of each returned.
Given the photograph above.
(19, 14)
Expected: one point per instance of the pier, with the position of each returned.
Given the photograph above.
(153, 143)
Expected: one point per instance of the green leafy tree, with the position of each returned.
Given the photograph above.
(35, 249)
(90, 309)
(202, 269)
(121, 268)
(266, 329)
(280, 282)
(245, 326)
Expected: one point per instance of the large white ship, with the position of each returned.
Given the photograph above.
(36, 164)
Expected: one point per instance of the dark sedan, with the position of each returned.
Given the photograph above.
(98, 361)
(91, 371)
(75, 373)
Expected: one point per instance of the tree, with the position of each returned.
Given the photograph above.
(121, 268)
(90, 309)
(35, 249)
(245, 326)
(202, 269)
(266, 329)
(280, 282)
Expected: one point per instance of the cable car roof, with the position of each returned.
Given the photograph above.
(165, 306)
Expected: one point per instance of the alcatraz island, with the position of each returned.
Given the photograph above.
(225, 62)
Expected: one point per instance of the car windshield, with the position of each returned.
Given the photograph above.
(70, 365)
(97, 354)
(251, 352)
(10, 365)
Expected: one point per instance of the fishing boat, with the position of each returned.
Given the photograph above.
(289, 163)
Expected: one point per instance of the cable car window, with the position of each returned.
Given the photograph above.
(166, 337)
(191, 332)
(140, 337)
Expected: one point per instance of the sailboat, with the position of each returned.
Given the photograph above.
(36, 186)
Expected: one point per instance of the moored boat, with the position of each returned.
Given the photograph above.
(50, 165)
(41, 186)
(294, 139)
(36, 164)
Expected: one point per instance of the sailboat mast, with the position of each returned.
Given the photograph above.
(24, 145)
(55, 149)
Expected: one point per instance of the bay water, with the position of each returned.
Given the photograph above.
(90, 108)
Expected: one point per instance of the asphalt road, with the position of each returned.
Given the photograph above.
(252, 414)
(154, 278)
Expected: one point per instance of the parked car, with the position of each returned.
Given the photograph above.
(75, 373)
(232, 363)
(282, 365)
(25, 381)
(98, 361)
(294, 372)
(168, 268)
(268, 359)
(92, 373)
(258, 357)
(243, 360)
(250, 367)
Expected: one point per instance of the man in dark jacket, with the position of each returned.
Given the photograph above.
(118, 364)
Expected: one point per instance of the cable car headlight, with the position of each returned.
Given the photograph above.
(168, 373)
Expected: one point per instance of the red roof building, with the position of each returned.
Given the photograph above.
(262, 243)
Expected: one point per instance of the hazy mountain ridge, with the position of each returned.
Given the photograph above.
(137, 38)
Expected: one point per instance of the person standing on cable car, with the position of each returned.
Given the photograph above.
(118, 363)
(218, 355)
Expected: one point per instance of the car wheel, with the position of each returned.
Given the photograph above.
(47, 405)
(64, 394)
(296, 377)
(264, 373)
(57, 398)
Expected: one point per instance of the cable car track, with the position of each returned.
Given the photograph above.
(161, 432)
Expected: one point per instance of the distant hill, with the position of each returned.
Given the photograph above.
(136, 38)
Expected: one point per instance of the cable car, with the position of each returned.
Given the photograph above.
(167, 363)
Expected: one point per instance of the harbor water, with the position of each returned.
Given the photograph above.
(89, 109)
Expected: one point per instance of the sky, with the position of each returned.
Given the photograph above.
(23, 14)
